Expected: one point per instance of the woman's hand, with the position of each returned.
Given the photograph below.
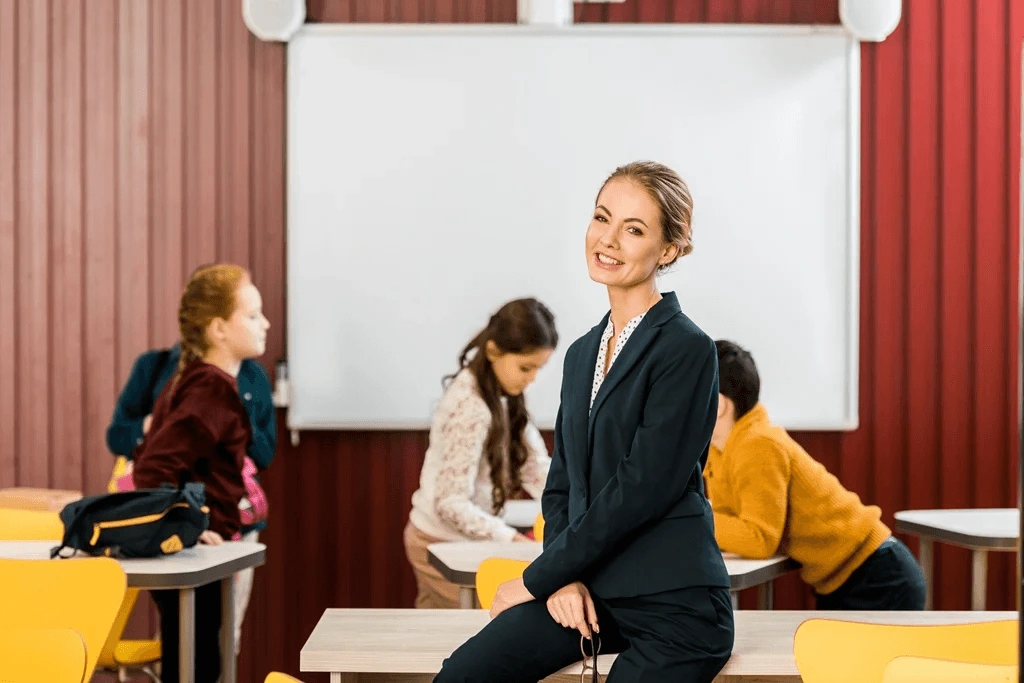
(211, 538)
(510, 594)
(572, 607)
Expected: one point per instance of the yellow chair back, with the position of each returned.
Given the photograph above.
(925, 670)
(82, 594)
(855, 652)
(30, 655)
(493, 572)
(538, 528)
(275, 677)
(30, 525)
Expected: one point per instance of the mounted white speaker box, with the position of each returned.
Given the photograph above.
(870, 20)
(274, 20)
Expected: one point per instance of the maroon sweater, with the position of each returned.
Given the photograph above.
(199, 432)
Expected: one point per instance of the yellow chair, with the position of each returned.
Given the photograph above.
(275, 677)
(127, 657)
(538, 528)
(82, 594)
(30, 525)
(30, 655)
(925, 670)
(493, 572)
(856, 652)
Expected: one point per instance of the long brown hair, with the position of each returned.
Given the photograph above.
(520, 326)
(209, 294)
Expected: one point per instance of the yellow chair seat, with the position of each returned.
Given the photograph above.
(538, 528)
(136, 652)
(834, 651)
(81, 594)
(30, 655)
(493, 572)
(30, 525)
(925, 670)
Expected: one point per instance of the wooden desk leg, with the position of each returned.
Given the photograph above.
(467, 597)
(925, 557)
(228, 662)
(979, 578)
(765, 596)
(187, 635)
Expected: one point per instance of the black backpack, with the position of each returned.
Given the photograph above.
(141, 523)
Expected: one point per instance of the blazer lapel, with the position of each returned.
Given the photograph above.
(580, 404)
(633, 351)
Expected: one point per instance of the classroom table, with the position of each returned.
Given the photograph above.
(409, 645)
(979, 530)
(458, 561)
(521, 514)
(184, 571)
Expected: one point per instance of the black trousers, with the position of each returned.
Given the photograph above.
(207, 632)
(683, 636)
(890, 579)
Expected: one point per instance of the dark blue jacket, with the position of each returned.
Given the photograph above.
(624, 504)
(153, 369)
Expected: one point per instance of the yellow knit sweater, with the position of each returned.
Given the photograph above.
(769, 496)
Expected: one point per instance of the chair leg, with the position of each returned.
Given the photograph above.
(152, 674)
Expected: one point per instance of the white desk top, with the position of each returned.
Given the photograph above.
(521, 514)
(411, 641)
(189, 568)
(458, 561)
(979, 529)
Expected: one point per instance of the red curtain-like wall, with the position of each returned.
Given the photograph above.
(139, 138)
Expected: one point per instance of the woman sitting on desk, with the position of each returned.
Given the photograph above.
(483, 448)
(630, 562)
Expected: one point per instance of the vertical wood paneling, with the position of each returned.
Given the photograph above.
(99, 232)
(33, 227)
(145, 138)
(167, 262)
(992, 385)
(133, 208)
(888, 274)
(9, 46)
(66, 173)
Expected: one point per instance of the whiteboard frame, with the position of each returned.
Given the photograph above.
(851, 420)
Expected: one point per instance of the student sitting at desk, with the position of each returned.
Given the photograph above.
(199, 432)
(483, 448)
(769, 496)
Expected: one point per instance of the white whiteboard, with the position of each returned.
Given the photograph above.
(435, 172)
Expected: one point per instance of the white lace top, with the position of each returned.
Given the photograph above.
(453, 501)
(602, 351)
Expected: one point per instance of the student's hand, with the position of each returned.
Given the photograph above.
(518, 538)
(146, 421)
(572, 607)
(510, 594)
(211, 538)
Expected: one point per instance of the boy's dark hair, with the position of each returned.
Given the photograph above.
(737, 376)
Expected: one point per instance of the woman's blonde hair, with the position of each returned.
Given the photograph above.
(672, 196)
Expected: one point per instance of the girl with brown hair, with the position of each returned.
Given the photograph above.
(483, 448)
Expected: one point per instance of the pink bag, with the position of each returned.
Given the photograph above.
(252, 508)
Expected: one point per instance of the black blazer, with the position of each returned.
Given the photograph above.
(624, 505)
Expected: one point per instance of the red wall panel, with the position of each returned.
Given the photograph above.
(147, 137)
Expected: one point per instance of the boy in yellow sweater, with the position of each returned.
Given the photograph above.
(769, 496)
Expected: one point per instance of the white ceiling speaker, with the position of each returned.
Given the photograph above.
(545, 12)
(274, 20)
(870, 20)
